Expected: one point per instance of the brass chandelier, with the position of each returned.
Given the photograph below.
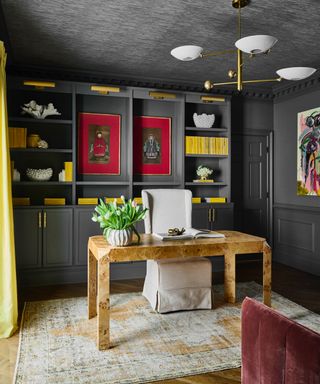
(250, 45)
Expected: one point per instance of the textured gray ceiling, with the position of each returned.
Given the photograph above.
(134, 38)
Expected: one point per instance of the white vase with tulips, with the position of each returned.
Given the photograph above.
(117, 220)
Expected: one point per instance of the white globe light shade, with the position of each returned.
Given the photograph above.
(295, 73)
(186, 52)
(256, 44)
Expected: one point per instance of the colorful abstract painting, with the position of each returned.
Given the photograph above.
(308, 155)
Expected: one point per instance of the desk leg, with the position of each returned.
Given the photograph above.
(267, 274)
(103, 337)
(92, 285)
(230, 277)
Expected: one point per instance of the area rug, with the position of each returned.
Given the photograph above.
(57, 342)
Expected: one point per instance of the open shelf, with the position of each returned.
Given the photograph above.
(39, 121)
(40, 150)
(156, 183)
(216, 140)
(207, 155)
(207, 129)
(41, 183)
(214, 184)
(103, 183)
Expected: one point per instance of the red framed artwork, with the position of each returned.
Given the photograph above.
(152, 145)
(99, 144)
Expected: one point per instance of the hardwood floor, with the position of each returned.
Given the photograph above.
(303, 288)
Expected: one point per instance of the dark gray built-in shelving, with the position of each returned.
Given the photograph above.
(37, 264)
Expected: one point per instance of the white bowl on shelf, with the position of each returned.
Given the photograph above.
(39, 174)
(203, 120)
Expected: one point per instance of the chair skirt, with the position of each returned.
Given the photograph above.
(176, 285)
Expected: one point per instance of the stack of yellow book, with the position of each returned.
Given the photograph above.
(87, 200)
(21, 200)
(215, 199)
(200, 145)
(138, 200)
(54, 201)
(68, 170)
(112, 199)
(17, 137)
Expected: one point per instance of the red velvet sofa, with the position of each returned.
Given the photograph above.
(275, 349)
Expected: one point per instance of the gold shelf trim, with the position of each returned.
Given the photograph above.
(162, 95)
(40, 84)
(212, 99)
(104, 90)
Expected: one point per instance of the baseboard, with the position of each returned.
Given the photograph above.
(297, 263)
(118, 271)
(78, 274)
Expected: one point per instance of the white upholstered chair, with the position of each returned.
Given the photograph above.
(174, 284)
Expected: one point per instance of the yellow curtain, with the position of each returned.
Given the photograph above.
(8, 285)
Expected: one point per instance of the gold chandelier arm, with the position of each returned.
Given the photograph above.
(211, 85)
(217, 53)
(226, 83)
(262, 80)
(239, 23)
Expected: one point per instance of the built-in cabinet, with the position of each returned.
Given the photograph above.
(84, 227)
(43, 237)
(213, 216)
(28, 237)
(57, 237)
(53, 239)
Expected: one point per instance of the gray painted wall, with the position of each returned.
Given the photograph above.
(296, 218)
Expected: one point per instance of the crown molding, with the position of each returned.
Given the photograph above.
(296, 88)
(283, 90)
(113, 79)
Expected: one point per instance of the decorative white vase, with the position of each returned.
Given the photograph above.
(203, 120)
(120, 237)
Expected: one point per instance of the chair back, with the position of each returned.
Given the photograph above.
(167, 208)
(276, 349)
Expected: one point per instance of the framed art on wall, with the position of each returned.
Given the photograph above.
(152, 145)
(99, 144)
(308, 153)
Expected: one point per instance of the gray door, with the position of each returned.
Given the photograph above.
(57, 237)
(84, 228)
(255, 199)
(28, 237)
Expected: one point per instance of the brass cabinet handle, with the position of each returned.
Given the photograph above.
(209, 215)
(213, 214)
(39, 219)
(44, 219)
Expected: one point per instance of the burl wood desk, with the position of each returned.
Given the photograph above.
(101, 254)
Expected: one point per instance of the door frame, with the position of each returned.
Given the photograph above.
(269, 135)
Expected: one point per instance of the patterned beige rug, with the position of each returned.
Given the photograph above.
(58, 343)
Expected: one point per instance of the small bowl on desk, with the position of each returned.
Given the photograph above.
(39, 174)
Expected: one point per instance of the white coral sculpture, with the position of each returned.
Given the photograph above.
(39, 111)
